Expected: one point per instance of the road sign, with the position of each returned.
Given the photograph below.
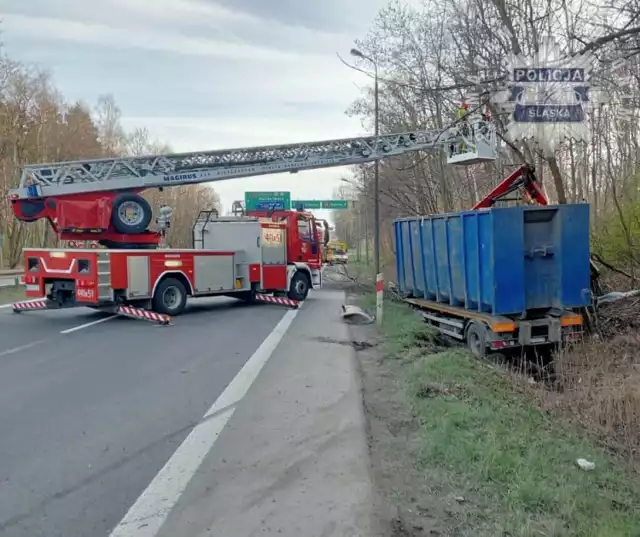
(306, 204)
(256, 201)
(320, 204)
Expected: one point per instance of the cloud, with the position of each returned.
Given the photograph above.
(191, 20)
(209, 134)
(204, 74)
(194, 134)
(334, 15)
(181, 11)
(136, 38)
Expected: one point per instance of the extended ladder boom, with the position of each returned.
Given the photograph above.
(153, 171)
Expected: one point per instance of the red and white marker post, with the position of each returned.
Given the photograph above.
(379, 297)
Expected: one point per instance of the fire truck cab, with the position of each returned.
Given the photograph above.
(306, 238)
(232, 256)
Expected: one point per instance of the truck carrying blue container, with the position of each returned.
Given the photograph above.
(498, 267)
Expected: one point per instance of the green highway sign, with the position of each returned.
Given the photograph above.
(260, 201)
(321, 204)
(306, 204)
(335, 204)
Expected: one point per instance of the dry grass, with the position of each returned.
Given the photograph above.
(13, 293)
(598, 386)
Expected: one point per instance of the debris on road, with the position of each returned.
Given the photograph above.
(355, 315)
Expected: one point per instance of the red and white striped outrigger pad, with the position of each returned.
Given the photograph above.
(278, 300)
(29, 305)
(137, 313)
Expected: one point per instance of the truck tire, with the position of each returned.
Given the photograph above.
(477, 339)
(299, 287)
(130, 214)
(170, 297)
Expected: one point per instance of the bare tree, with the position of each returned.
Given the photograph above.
(432, 55)
(110, 130)
(37, 125)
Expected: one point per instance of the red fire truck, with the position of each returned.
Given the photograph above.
(238, 256)
(263, 253)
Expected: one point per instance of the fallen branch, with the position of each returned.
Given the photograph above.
(604, 263)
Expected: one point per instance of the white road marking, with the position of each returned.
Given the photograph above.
(21, 348)
(86, 325)
(148, 514)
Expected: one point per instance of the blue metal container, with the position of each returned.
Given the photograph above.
(502, 261)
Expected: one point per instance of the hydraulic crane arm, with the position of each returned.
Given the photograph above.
(524, 178)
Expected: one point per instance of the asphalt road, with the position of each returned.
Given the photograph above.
(89, 413)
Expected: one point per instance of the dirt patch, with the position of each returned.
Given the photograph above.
(356, 344)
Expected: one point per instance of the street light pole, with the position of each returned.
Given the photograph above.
(376, 187)
(376, 178)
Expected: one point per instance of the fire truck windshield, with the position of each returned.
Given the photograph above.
(304, 229)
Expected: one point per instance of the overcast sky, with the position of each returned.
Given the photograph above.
(206, 74)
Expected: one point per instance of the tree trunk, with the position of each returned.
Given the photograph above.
(557, 179)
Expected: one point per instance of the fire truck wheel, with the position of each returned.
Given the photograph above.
(299, 288)
(170, 297)
(130, 214)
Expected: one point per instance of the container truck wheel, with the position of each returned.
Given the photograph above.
(299, 287)
(477, 339)
(170, 297)
(130, 214)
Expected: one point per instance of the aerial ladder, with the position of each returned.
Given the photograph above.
(100, 199)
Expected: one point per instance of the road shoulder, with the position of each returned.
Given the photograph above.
(293, 460)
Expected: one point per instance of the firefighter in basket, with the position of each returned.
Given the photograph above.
(463, 127)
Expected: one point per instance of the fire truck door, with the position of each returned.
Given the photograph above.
(308, 240)
(273, 241)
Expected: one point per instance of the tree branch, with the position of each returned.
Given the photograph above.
(605, 39)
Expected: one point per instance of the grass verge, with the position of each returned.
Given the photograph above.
(511, 464)
(13, 293)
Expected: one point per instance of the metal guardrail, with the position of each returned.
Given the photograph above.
(11, 272)
(10, 278)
